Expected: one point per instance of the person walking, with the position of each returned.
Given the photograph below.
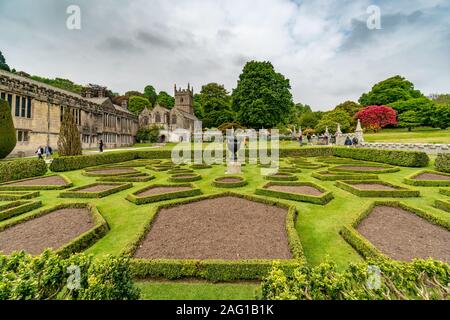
(348, 141)
(308, 137)
(100, 145)
(39, 152)
(300, 139)
(48, 152)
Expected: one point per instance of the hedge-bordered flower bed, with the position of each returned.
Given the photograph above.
(367, 249)
(221, 184)
(289, 169)
(185, 177)
(445, 192)
(334, 176)
(91, 172)
(442, 162)
(136, 199)
(323, 199)
(180, 170)
(138, 177)
(400, 192)
(5, 186)
(443, 205)
(215, 270)
(160, 167)
(79, 193)
(281, 176)
(383, 169)
(18, 195)
(309, 165)
(15, 208)
(81, 242)
(427, 183)
(196, 166)
(11, 170)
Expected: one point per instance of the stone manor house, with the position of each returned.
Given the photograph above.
(177, 123)
(37, 110)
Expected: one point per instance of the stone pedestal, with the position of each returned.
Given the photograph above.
(233, 167)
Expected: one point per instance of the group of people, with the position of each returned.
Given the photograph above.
(47, 151)
(328, 139)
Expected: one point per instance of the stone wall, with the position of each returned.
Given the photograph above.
(428, 148)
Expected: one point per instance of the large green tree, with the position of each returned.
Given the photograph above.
(69, 141)
(262, 97)
(3, 65)
(215, 102)
(136, 104)
(7, 132)
(424, 107)
(409, 119)
(165, 100)
(441, 116)
(331, 119)
(388, 91)
(150, 94)
(310, 119)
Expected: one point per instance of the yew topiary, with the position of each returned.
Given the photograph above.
(7, 131)
(69, 142)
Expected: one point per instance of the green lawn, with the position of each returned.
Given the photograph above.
(318, 226)
(419, 135)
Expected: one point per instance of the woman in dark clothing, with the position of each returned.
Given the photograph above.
(100, 145)
(348, 141)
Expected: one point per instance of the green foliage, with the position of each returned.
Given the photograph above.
(443, 205)
(137, 199)
(310, 119)
(69, 142)
(427, 183)
(441, 116)
(262, 97)
(7, 131)
(78, 192)
(334, 176)
(442, 162)
(150, 94)
(44, 277)
(18, 195)
(215, 104)
(18, 187)
(219, 183)
(424, 108)
(393, 157)
(60, 83)
(420, 279)
(198, 110)
(16, 208)
(136, 104)
(185, 177)
(3, 65)
(331, 119)
(409, 119)
(134, 93)
(323, 199)
(21, 169)
(350, 107)
(389, 91)
(165, 100)
(149, 134)
(400, 192)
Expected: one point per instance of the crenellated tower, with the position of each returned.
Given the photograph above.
(184, 99)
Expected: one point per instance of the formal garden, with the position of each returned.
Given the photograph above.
(167, 231)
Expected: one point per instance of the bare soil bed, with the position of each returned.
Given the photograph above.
(98, 188)
(162, 190)
(373, 186)
(52, 230)
(229, 180)
(403, 236)
(228, 228)
(297, 189)
(46, 181)
(359, 168)
(113, 171)
(431, 176)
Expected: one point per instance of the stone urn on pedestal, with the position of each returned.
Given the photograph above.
(233, 165)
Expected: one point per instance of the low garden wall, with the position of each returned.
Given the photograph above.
(423, 147)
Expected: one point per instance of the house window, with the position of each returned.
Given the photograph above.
(28, 107)
(61, 113)
(174, 119)
(22, 136)
(17, 114)
(157, 117)
(3, 96)
(23, 109)
(10, 99)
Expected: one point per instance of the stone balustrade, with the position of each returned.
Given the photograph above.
(425, 147)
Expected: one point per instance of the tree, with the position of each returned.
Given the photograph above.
(3, 65)
(134, 93)
(441, 116)
(377, 117)
(165, 100)
(331, 119)
(310, 119)
(198, 110)
(391, 90)
(8, 138)
(69, 142)
(137, 104)
(424, 107)
(262, 97)
(216, 105)
(149, 134)
(150, 94)
(409, 119)
(350, 107)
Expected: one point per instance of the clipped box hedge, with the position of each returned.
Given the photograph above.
(366, 248)
(11, 170)
(442, 162)
(18, 195)
(79, 193)
(138, 177)
(216, 270)
(282, 176)
(323, 199)
(445, 192)
(185, 177)
(16, 208)
(7, 187)
(443, 205)
(221, 184)
(382, 169)
(393, 157)
(91, 172)
(400, 192)
(136, 199)
(81, 242)
(427, 183)
(334, 176)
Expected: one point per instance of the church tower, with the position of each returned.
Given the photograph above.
(184, 99)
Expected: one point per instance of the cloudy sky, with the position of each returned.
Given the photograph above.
(323, 47)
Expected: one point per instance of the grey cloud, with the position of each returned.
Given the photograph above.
(116, 44)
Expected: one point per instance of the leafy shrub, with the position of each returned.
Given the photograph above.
(21, 169)
(43, 277)
(393, 157)
(420, 279)
(7, 132)
(69, 142)
(442, 162)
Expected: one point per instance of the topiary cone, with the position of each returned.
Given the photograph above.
(8, 138)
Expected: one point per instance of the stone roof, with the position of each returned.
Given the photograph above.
(186, 114)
